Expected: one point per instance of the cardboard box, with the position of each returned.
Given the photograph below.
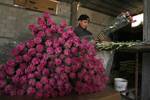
(39, 5)
(107, 94)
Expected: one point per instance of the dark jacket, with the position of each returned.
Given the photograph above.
(83, 33)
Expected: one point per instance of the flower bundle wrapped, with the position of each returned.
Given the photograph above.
(54, 63)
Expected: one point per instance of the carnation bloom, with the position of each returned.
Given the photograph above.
(66, 52)
(26, 57)
(37, 40)
(68, 61)
(63, 24)
(20, 47)
(32, 27)
(39, 48)
(58, 61)
(40, 34)
(11, 63)
(31, 51)
(48, 43)
(35, 61)
(50, 50)
(58, 50)
(31, 91)
(14, 52)
(2, 83)
(39, 85)
(30, 43)
(18, 59)
(44, 80)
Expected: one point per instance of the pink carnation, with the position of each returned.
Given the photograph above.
(35, 61)
(46, 15)
(56, 43)
(37, 74)
(23, 80)
(31, 91)
(26, 57)
(61, 40)
(65, 35)
(19, 72)
(18, 59)
(30, 44)
(45, 56)
(32, 82)
(68, 61)
(62, 56)
(40, 34)
(67, 69)
(11, 63)
(54, 28)
(2, 83)
(59, 70)
(30, 76)
(32, 27)
(8, 88)
(10, 70)
(39, 48)
(39, 85)
(72, 75)
(14, 52)
(41, 21)
(48, 32)
(50, 50)
(70, 31)
(63, 23)
(32, 51)
(44, 80)
(45, 72)
(58, 61)
(48, 43)
(38, 40)
(20, 47)
(50, 21)
(47, 87)
(68, 44)
(58, 50)
(67, 52)
(31, 68)
(74, 50)
(15, 79)
(39, 55)
(43, 62)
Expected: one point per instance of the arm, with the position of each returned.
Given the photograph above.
(122, 20)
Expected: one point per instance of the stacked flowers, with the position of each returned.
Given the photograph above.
(54, 63)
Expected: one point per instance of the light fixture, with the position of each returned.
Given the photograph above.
(137, 20)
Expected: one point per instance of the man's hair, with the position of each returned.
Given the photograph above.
(84, 17)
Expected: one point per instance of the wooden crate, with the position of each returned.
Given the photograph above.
(20, 2)
(39, 5)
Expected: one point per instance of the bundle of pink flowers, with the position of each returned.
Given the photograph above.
(54, 63)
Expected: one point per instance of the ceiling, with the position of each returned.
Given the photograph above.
(112, 7)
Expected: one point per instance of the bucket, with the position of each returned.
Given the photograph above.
(120, 84)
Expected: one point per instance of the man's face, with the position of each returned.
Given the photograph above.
(84, 23)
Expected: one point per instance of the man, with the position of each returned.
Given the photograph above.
(81, 29)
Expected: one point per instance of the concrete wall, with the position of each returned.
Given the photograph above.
(14, 21)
